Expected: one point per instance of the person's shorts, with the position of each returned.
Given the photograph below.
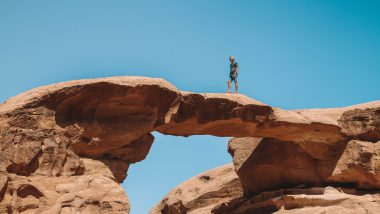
(233, 78)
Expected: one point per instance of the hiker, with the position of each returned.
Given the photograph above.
(233, 74)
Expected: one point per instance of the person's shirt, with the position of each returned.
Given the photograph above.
(233, 67)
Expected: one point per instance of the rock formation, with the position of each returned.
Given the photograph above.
(282, 163)
(202, 192)
(94, 191)
(71, 143)
(305, 200)
(65, 147)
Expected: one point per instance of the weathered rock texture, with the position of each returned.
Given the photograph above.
(269, 164)
(278, 177)
(358, 166)
(202, 193)
(46, 135)
(95, 191)
(50, 134)
(310, 200)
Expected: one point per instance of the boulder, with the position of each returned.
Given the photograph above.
(201, 193)
(270, 164)
(265, 164)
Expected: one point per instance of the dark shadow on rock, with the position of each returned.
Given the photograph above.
(275, 164)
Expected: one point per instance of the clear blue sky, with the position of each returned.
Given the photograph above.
(292, 54)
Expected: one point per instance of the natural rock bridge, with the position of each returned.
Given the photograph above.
(65, 147)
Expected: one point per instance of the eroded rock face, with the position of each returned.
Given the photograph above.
(202, 193)
(49, 133)
(302, 201)
(266, 166)
(363, 124)
(358, 166)
(237, 115)
(46, 130)
(187, 198)
(93, 192)
(269, 164)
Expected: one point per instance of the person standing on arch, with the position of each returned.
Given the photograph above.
(234, 68)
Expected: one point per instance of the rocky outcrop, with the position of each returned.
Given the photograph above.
(359, 166)
(95, 191)
(51, 132)
(301, 148)
(278, 177)
(273, 164)
(266, 164)
(269, 164)
(105, 119)
(48, 136)
(202, 193)
(239, 116)
(310, 200)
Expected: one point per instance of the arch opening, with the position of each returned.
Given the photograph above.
(171, 161)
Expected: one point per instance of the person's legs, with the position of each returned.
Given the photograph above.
(229, 86)
(236, 87)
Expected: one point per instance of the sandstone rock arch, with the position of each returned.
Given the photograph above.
(67, 129)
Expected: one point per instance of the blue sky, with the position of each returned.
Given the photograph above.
(292, 54)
